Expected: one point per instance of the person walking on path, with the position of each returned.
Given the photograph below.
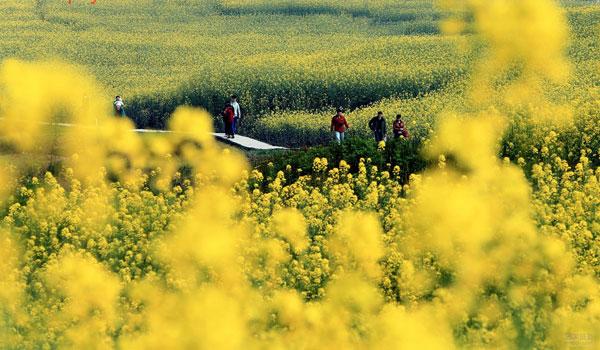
(400, 128)
(339, 125)
(228, 120)
(237, 113)
(377, 125)
(119, 107)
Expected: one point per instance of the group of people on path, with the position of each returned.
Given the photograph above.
(377, 124)
(232, 113)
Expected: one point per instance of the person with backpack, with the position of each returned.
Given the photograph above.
(399, 128)
(228, 119)
(339, 125)
(377, 125)
(237, 113)
(119, 107)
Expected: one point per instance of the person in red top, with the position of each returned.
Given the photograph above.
(339, 125)
(400, 128)
(228, 115)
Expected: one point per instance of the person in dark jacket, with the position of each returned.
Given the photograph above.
(400, 128)
(228, 118)
(339, 125)
(377, 125)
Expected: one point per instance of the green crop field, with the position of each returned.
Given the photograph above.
(298, 56)
(162, 54)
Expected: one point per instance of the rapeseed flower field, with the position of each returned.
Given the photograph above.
(174, 242)
(199, 52)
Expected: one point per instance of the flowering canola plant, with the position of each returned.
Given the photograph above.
(175, 243)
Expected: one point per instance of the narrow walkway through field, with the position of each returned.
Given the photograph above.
(239, 140)
(246, 142)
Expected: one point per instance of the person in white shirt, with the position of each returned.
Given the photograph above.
(119, 107)
(237, 113)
